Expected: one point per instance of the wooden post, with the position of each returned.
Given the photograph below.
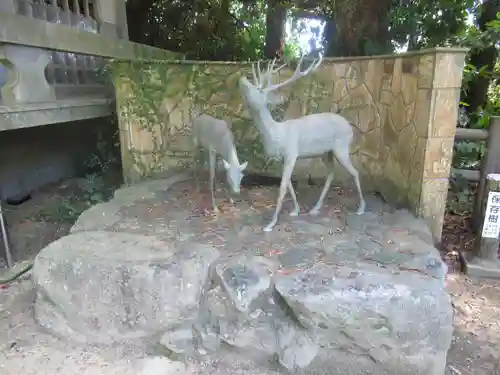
(490, 164)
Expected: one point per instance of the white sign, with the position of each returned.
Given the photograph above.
(491, 224)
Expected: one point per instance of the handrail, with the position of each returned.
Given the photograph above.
(26, 31)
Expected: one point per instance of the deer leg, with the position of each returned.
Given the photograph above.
(229, 197)
(342, 153)
(197, 167)
(285, 181)
(328, 160)
(195, 163)
(211, 167)
(296, 209)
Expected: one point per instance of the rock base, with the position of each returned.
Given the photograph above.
(346, 294)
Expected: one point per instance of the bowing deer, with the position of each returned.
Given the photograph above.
(214, 136)
(309, 136)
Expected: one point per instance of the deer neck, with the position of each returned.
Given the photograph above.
(232, 156)
(265, 123)
(227, 150)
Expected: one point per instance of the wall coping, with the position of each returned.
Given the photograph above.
(31, 32)
(428, 51)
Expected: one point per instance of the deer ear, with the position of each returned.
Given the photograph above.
(243, 166)
(226, 164)
(274, 99)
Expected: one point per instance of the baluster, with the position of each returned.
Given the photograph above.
(40, 11)
(63, 59)
(86, 8)
(52, 11)
(9, 6)
(76, 14)
(65, 14)
(79, 61)
(91, 70)
(25, 8)
(72, 68)
(93, 17)
(53, 16)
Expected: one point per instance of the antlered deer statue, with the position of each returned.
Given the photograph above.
(309, 136)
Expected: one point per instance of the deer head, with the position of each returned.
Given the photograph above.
(234, 174)
(261, 92)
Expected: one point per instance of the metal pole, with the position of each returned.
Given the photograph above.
(5, 237)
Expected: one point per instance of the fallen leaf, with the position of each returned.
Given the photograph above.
(287, 271)
(275, 252)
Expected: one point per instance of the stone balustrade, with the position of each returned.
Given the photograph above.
(50, 52)
(53, 58)
(34, 75)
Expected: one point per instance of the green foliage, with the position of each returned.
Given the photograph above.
(88, 191)
(467, 154)
(424, 24)
(472, 37)
(478, 40)
(461, 201)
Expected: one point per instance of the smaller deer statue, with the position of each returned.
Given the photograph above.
(214, 136)
(308, 136)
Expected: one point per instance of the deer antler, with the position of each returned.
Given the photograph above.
(256, 74)
(271, 71)
(260, 75)
(296, 74)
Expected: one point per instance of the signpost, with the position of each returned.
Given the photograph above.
(485, 262)
(491, 225)
(488, 248)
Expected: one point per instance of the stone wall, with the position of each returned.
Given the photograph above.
(403, 109)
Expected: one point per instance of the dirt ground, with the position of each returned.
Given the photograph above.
(48, 216)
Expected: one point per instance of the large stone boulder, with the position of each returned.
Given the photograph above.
(398, 321)
(365, 318)
(105, 287)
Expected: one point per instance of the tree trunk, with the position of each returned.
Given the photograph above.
(363, 28)
(275, 28)
(330, 38)
(477, 94)
(138, 13)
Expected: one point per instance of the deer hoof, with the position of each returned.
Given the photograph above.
(314, 212)
(361, 209)
(269, 228)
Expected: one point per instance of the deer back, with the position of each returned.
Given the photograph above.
(213, 133)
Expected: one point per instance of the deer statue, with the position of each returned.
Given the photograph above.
(214, 136)
(309, 136)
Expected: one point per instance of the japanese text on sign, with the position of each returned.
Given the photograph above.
(491, 224)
